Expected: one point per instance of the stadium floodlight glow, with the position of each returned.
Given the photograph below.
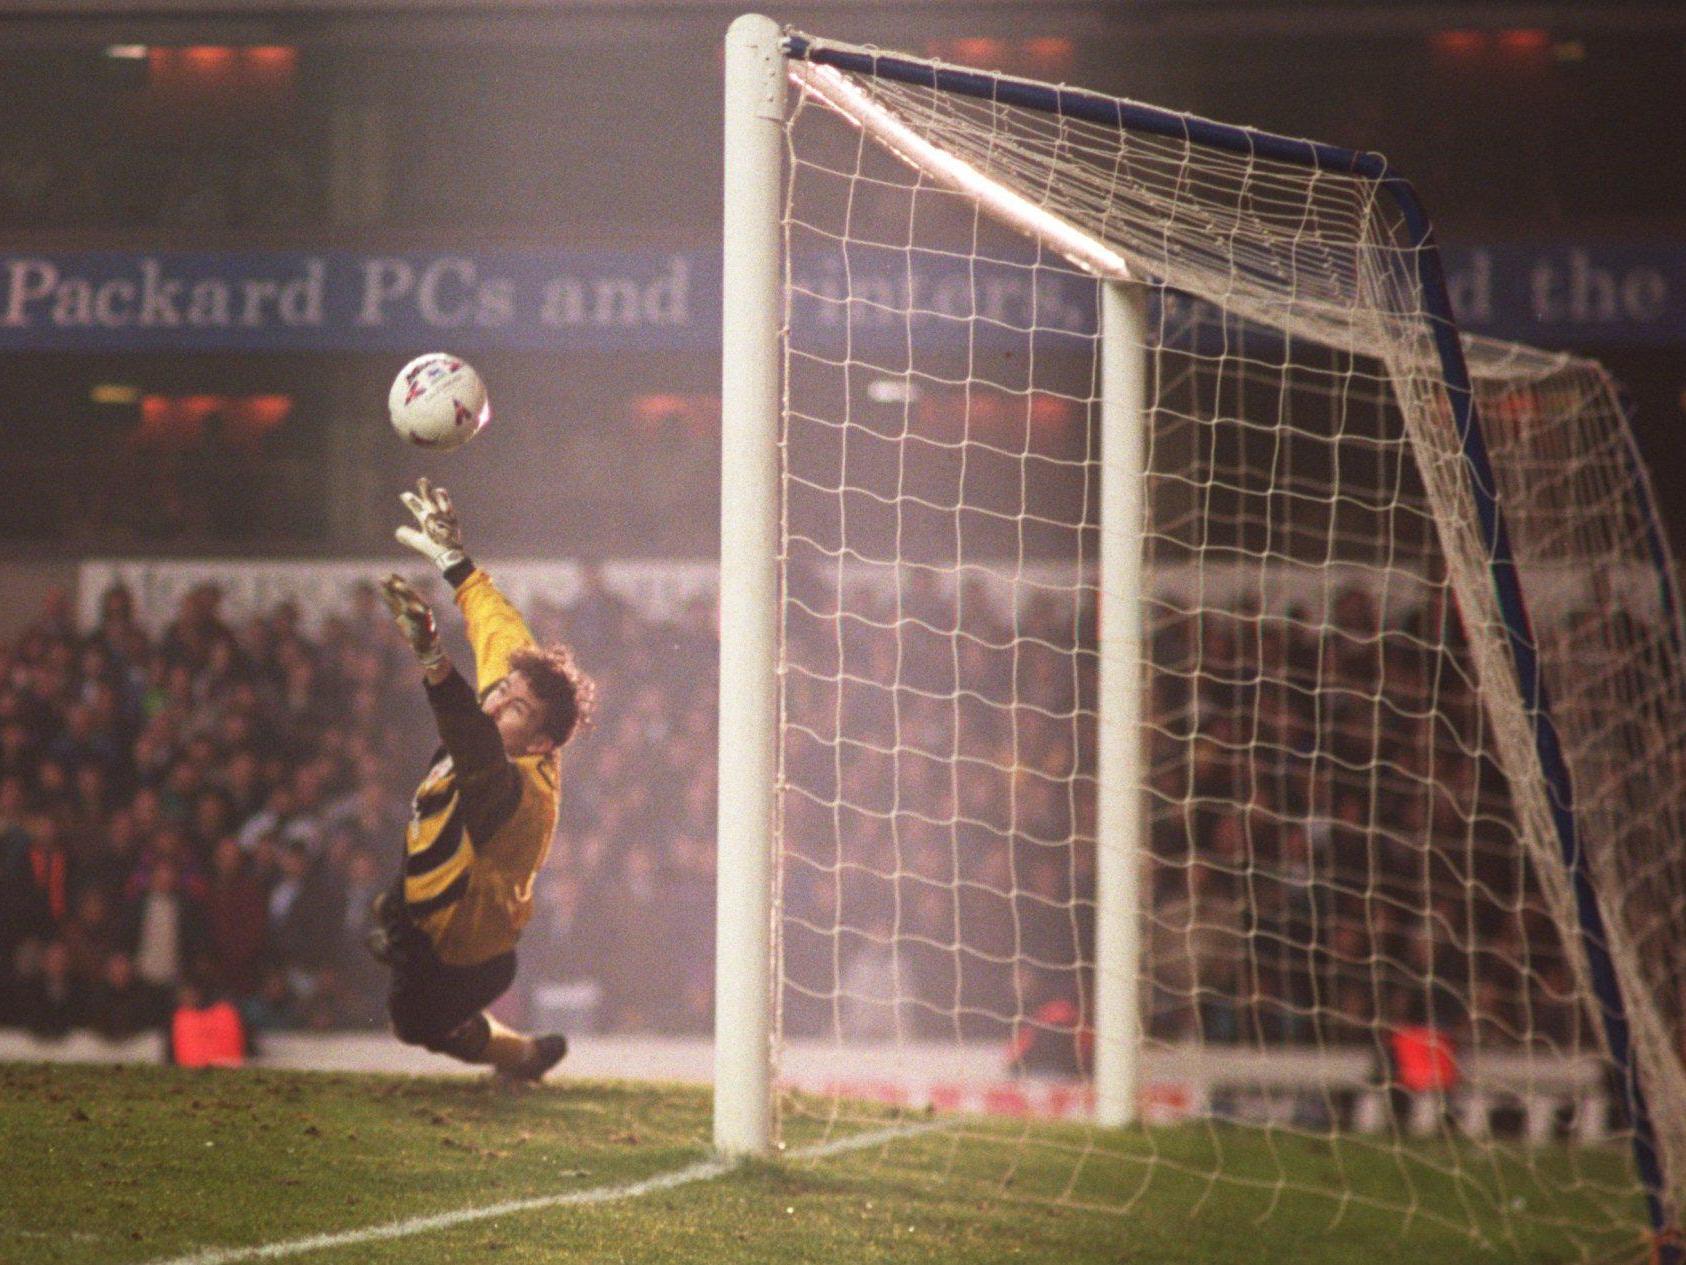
(1314, 699)
(114, 393)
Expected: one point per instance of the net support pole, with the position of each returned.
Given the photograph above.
(751, 293)
(1124, 402)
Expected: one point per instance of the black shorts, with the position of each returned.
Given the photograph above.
(431, 999)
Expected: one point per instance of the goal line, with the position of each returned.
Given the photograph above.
(702, 1171)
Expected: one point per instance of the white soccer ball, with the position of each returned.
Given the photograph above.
(438, 401)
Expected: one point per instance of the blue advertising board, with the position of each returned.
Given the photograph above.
(1549, 294)
(342, 301)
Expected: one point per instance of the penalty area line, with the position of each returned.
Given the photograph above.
(703, 1170)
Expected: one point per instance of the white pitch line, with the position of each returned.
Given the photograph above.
(704, 1170)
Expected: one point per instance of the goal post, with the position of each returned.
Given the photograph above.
(1118, 760)
(752, 287)
(1160, 649)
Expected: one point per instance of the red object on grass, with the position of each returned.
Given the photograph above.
(1423, 1059)
(208, 1036)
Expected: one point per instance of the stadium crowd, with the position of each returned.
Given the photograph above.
(1331, 855)
(210, 807)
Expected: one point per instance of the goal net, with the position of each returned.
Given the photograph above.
(1322, 797)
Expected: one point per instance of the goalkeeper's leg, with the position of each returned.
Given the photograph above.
(514, 1055)
(519, 1057)
(443, 1008)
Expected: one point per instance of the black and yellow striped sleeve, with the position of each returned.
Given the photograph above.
(487, 782)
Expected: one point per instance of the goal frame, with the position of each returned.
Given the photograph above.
(757, 56)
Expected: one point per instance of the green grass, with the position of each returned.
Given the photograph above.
(111, 1164)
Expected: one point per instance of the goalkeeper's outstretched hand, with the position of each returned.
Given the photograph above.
(415, 620)
(438, 537)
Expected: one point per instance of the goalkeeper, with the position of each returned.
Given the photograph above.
(483, 815)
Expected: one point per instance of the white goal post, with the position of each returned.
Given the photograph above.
(1151, 630)
(750, 397)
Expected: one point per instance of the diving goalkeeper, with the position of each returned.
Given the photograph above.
(483, 815)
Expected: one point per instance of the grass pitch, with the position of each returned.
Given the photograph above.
(119, 1165)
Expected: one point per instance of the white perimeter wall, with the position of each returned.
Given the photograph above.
(1177, 1084)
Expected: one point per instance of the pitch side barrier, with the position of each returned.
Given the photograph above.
(1539, 1101)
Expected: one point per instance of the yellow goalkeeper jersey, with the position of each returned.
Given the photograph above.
(481, 822)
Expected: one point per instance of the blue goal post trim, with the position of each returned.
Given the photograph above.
(1131, 116)
(1093, 107)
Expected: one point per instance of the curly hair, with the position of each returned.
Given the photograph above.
(561, 684)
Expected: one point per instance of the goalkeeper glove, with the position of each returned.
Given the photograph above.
(439, 539)
(415, 621)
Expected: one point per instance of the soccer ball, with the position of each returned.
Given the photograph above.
(438, 401)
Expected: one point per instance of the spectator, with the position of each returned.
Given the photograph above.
(49, 1002)
(165, 931)
(36, 894)
(307, 909)
(120, 1006)
(373, 815)
(189, 640)
(236, 917)
(14, 836)
(117, 633)
(57, 621)
(90, 937)
(113, 861)
(84, 815)
(362, 980)
(269, 820)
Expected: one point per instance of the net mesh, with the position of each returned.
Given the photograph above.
(1357, 929)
